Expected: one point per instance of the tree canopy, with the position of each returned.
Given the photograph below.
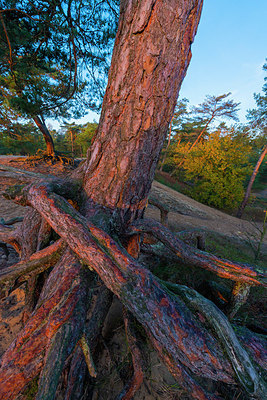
(54, 57)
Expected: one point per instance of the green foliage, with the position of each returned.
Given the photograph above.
(43, 46)
(54, 57)
(75, 139)
(85, 137)
(21, 139)
(217, 168)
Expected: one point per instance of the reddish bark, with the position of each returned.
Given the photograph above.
(132, 283)
(24, 359)
(150, 59)
(132, 387)
(224, 268)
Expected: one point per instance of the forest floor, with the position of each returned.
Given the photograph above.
(237, 238)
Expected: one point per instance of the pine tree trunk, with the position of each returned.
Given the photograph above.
(150, 59)
(50, 148)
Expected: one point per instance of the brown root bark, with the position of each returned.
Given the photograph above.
(134, 384)
(57, 305)
(237, 272)
(37, 263)
(175, 332)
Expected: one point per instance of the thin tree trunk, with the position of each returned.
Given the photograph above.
(50, 148)
(252, 179)
(168, 144)
(197, 139)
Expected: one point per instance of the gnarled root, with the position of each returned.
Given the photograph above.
(134, 384)
(58, 304)
(173, 329)
(185, 341)
(224, 268)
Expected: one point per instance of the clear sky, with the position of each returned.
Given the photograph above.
(229, 51)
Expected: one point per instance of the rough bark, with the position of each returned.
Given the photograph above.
(224, 268)
(182, 343)
(150, 59)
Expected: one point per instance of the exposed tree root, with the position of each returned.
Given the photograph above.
(20, 175)
(57, 306)
(37, 263)
(62, 343)
(174, 330)
(239, 297)
(188, 342)
(92, 331)
(51, 159)
(134, 384)
(164, 209)
(224, 268)
(210, 315)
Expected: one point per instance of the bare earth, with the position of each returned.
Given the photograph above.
(187, 214)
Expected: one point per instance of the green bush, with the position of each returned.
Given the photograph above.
(217, 167)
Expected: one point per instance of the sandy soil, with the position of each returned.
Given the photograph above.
(186, 213)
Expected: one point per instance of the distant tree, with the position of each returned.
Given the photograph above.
(258, 118)
(71, 132)
(180, 113)
(85, 137)
(213, 108)
(54, 58)
(23, 139)
(63, 319)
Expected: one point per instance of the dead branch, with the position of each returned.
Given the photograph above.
(224, 268)
(37, 263)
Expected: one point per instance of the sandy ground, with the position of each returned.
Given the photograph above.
(186, 213)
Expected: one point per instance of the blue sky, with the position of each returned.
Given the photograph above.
(229, 51)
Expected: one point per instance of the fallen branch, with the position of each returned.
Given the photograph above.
(235, 271)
